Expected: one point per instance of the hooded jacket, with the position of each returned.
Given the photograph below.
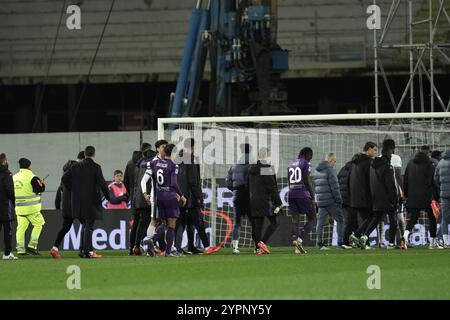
(264, 195)
(7, 198)
(442, 176)
(326, 185)
(131, 172)
(382, 185)
(344, 180)
(360, 196)
(418, 183)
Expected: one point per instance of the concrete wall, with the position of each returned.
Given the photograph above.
(49, 152)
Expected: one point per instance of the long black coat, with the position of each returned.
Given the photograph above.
(263, 190)
(360, 197)
(418, 183)
(7, 198)
(382, 185)
(63, 198)
(86, 182)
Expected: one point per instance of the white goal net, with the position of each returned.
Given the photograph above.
(218, 143)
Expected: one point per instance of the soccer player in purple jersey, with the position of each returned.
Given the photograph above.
(300, 197)
(168, 194)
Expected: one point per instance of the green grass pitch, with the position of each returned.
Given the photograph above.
(335, 274)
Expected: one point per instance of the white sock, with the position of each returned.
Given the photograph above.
(151, 231)
(55, 248)
(235, 244)
(432, 241)
(405, 235)
(445, 236)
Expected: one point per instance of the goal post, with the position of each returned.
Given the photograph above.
(218, 141)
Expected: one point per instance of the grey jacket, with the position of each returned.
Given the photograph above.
(326, 185)
(442, 175)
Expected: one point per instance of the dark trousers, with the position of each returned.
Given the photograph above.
(141, 220)
(393, 221)
(191, 218)
(7, 235)
(88, 229)
(414, 213)
(350, 223)
(365, 215)
(66, 225)
(257, 227)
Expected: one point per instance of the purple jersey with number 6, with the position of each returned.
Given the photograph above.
(297, 173)
(165, 173)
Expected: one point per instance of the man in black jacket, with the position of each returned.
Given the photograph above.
(384, 196)
(190, 215)
(7, 203)
(85, 180)
(130, 174)
(350, 214)
(237, 181)
(141, 208)
(419, 189)
(359, 186)
(264, 200)
(64, 199)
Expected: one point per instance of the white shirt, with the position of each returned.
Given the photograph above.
(396, 161)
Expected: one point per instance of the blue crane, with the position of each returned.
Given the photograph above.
(246, 63)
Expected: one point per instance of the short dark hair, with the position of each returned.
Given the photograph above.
(369, 145)
(168, 149)
(389, 144)
(145, 146)
(89, 151)
(80, 155)
(117, 172)
(189, 143)
(436, 154)
(306, 153)
(425, 149)
(246, 148)
(159, 143)
(2, 158)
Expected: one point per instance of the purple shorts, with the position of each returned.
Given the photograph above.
(168, 208)
(299, 205)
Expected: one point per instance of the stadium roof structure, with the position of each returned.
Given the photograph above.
(143, 39)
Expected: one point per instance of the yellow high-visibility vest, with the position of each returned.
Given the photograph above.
(27, 202)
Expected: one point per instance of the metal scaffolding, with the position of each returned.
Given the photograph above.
(417, 67)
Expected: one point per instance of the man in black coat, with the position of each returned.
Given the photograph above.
(131, 170)
(63, 199)
(7, 203)
(359, 186)
(264, 200)
(350, 214)
(384, 196)
(85, 180)
(141, 208)
(419, 189)
(191, 187)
